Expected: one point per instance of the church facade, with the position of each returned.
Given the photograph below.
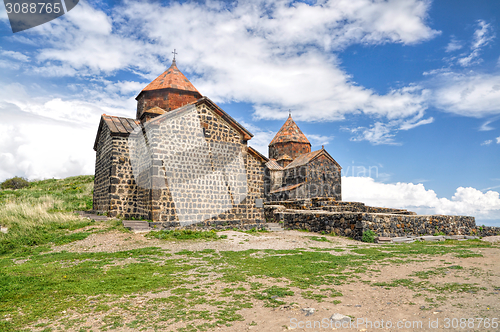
(294, 172)
(183, 160)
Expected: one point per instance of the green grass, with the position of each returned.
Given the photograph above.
(70, 194)
(42, 213)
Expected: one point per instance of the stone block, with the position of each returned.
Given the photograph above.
(453, 237)
(383, 239)
(403, 240)
(431, 238)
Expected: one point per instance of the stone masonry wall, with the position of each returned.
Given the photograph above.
(255, 180)
(206, 162)
(332, 205)
(102, 171)
(353, 224)
(198, 169)
(293, 149)
(324, 179)
(167, 99)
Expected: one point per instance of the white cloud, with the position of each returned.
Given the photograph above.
(15, 55)
(498, 140)
(465, 201)
(261, 139)
(482, 37)
(7, 64)
(44, 137)
(487, 142)
(453, 45)
(486, 126)
(377, 134)
(272, 54)
(85, 42)
(472, 94)
(410, 124)
(317, 140)
(275, 55)
(37, 147)
(399, 103)
(383, 133)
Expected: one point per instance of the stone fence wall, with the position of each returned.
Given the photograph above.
(353, 224)
(487, 230)
(331, 205)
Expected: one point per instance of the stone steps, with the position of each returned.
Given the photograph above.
(136, 225)
(274, 227)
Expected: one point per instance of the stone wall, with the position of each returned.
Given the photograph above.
(332, 205)
(292, 149)
(167, 99)
(487, 231)
(353, 224)
(324, 179)
(192, 168)
(127, 199)
(102, 171)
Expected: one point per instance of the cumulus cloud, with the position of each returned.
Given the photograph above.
(38, 147)
(470, 94)
(275, 55)
(465, 201)
(51, 136)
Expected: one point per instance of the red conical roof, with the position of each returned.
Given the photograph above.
(171, 78)
(289, 132)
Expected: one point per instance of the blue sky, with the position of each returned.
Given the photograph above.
(407, 89)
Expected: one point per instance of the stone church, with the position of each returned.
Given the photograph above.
(183, 160)
(294, 172)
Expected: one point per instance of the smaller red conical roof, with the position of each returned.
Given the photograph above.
(172, 78)
(289, 132)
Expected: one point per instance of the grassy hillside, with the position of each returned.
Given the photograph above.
(43, 213)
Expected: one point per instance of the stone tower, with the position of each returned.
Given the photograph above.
(167, 92)
(289, 143)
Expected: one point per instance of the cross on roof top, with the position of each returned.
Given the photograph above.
(174, 52)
